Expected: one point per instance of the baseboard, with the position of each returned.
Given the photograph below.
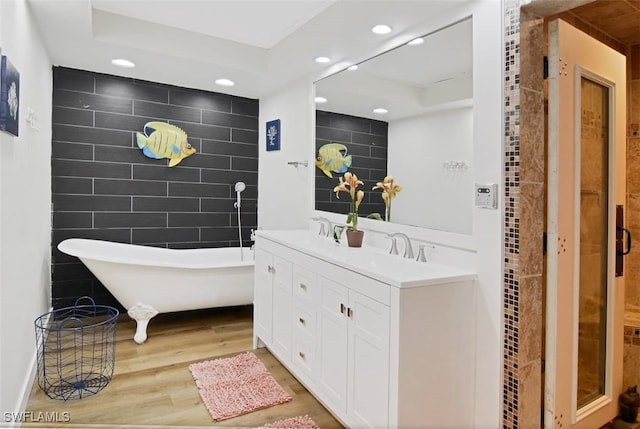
(27, 384)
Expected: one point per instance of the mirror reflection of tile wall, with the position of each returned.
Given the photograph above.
(366, 142)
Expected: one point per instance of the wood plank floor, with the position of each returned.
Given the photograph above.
(153, 387)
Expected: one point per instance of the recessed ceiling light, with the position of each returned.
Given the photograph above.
(381, 29)
(320, 100)
(322, 60)
(417, 41)
(121, 62)
(353, 67)
(225, 82)
(380, 111)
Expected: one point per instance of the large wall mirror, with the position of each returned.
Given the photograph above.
(423, 137)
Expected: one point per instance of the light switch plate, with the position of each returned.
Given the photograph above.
(486, 195)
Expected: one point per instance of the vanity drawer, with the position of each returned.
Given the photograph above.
(305, 287)
(304, 355)
(304, 321)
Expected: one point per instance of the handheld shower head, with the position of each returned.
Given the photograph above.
(240, 186)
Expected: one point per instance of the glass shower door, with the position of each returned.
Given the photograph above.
(594, 241)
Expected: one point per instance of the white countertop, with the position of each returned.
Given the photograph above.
(369, 261)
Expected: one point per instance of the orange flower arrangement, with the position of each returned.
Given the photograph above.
(389, 191)
(350, 185)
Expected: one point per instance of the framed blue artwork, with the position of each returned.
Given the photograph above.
(9, 96)
(273, 135)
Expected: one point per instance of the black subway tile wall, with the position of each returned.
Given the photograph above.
(103, 187)
(366, 142)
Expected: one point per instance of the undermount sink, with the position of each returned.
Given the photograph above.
(369, 261)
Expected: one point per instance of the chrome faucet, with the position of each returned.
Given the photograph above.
(421, 255)
(324, 222)
(394, 245)
(408, 250)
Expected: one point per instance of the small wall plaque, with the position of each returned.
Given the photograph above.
(273, 135)
(9, 97)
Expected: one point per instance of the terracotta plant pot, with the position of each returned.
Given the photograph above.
(354, 238)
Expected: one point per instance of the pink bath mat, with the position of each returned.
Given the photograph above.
(233, 386)
(300, 422)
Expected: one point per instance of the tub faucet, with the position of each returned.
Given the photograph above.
(408, 250)
(324, 222)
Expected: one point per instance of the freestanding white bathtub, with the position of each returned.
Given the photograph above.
(150, 280)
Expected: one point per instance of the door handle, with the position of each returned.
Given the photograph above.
(621, 231)
(628, 233)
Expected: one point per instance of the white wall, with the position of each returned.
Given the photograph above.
(488, 230)
(433, 195)
(283, 204)
(283, 197)
(25, 207)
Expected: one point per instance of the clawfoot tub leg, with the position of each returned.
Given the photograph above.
(141, 313)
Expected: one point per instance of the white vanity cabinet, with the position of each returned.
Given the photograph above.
(376, 352)
(273, 288)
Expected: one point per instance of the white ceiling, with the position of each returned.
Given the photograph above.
(262, 45)
(261, 23)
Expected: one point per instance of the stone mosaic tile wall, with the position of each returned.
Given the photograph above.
(631, 371)
(511, 284)
(524, 217)
(631, 366)
(632, 285)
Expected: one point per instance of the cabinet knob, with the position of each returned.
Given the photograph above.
(341, 308)
(303, 286)
(301, 320)
(301, 355)
(271, 269)
(349, 312)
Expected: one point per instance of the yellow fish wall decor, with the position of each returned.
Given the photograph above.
(333, 157)
(162, 140)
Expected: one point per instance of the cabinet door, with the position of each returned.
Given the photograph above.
(332, 342)
(263, 297)
(368, 362)
(282, 328)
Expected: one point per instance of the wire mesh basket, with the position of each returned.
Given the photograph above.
(76, 349)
